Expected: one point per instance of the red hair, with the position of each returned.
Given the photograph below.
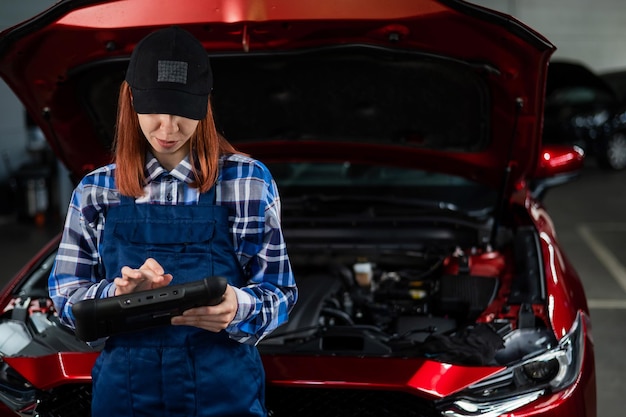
(130, 145)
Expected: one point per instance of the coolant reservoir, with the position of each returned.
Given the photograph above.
(363, 272)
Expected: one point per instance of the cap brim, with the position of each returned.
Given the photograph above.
(170, 102)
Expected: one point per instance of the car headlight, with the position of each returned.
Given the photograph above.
(524, 382)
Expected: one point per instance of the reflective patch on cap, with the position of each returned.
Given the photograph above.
(172, 72)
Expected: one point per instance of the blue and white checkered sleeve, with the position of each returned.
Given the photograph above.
(75, 274)
(264, 304)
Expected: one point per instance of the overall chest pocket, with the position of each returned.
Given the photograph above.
(183, 248)
(164, 232)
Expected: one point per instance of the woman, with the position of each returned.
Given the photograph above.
(179, 204)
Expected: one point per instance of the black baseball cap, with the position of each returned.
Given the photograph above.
(169, 73)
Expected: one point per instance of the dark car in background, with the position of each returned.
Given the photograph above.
(616, 78)
(586, 109)
(405, 139)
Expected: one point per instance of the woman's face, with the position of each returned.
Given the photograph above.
(168, 136)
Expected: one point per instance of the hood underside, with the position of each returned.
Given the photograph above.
(443, 85)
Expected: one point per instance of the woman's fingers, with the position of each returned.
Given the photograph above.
(150, 275)
(152, 265)
(212, 318)
(130, 273)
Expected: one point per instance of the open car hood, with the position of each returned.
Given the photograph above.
(439, 84)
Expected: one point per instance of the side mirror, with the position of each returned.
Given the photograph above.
(558, 164)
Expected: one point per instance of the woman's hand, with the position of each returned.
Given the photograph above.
(212, 318)
(149, 275)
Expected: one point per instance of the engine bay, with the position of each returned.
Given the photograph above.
(466, 306)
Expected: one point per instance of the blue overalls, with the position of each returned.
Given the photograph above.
(175, 370)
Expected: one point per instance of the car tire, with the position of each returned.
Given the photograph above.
(613, 154)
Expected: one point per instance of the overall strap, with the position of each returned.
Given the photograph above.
(209, 197)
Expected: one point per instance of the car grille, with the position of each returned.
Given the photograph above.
(73, 400)
(304, 402)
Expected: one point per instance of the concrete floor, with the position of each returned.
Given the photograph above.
(589, 215)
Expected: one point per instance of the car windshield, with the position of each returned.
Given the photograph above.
(375, 185)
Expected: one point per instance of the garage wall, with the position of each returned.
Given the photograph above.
(593, 32)
(13, 133)
(590, 31)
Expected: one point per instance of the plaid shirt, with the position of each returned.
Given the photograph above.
(244, 185)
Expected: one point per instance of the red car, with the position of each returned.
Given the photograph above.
(405, 138)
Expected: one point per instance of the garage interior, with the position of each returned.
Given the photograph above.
(34, 187)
